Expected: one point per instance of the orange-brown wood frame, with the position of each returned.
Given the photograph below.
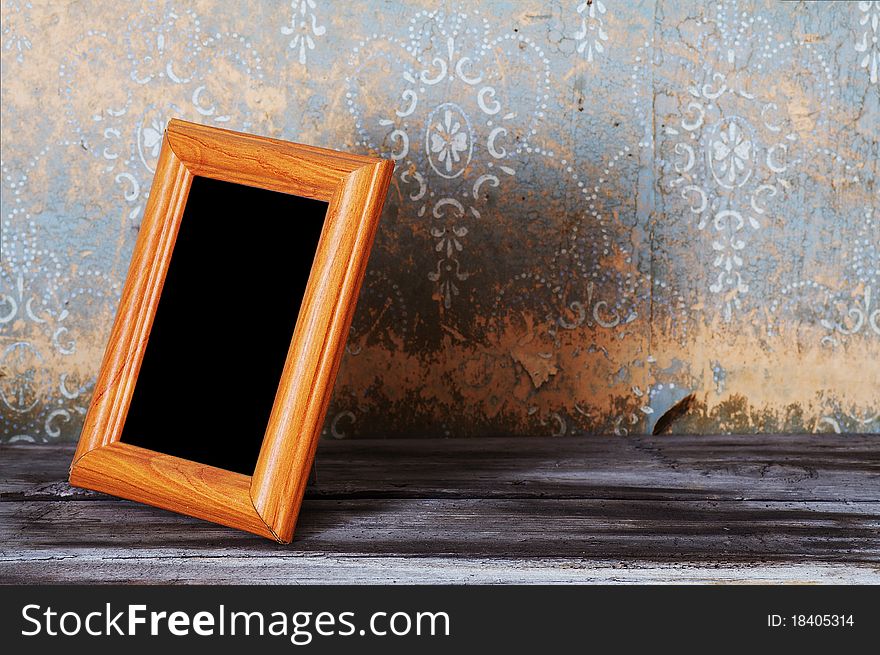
(268, 502)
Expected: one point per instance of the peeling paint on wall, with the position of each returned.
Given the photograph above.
(598, 207)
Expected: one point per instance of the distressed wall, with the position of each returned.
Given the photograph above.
(598, 207)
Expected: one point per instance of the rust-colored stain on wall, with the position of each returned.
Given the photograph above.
(598, 207)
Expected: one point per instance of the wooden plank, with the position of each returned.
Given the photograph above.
(653, 509)
(601, 529)
(752, 467)
(222, 567)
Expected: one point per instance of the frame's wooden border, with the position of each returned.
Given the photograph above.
(268, 502)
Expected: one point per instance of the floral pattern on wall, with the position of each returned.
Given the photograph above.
(598, 207)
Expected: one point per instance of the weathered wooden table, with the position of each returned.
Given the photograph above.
(594, 509)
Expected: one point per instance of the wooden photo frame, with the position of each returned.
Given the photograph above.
(266, 502)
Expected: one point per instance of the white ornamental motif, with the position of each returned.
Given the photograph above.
(16, 14)
(43, 308)
(869, 45)
(163, 51)
(303, 28)
(449, 153)
(21, 386)
(592, 36)
(745, 167)
(735, 142)
(731, 153)
(449, 143)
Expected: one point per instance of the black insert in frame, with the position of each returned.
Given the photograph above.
(224, 323)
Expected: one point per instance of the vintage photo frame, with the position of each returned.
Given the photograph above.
(266, 503)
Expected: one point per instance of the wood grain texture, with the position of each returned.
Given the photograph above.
(262, 162)
(297, 416)
(819, 468)
(651, 530)
(230, 567)
(790, 508)
(164, 481)
(137, 305)
(355, 187)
